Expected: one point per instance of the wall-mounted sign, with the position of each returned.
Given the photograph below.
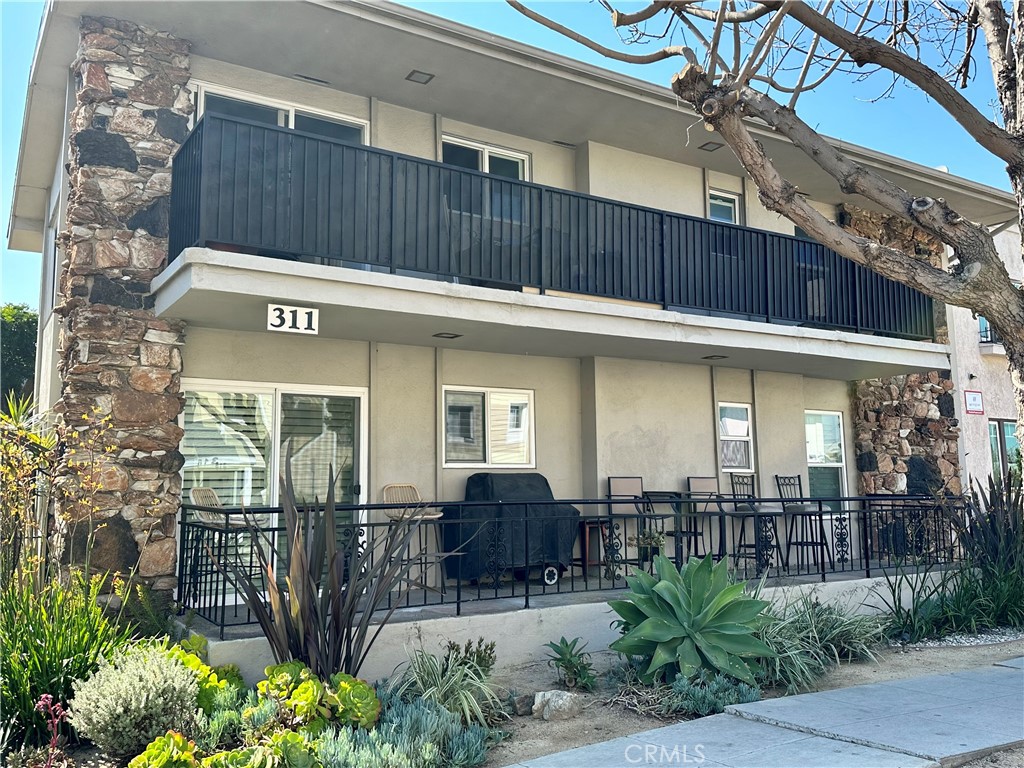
(281, 317)
(974, 402)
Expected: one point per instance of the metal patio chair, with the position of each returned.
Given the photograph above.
(765, 526)
(805, 530)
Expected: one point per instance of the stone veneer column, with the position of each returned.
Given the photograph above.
(116, 358)
(906, 428)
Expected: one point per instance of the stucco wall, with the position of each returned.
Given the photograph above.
(779, 428)
(653, 420)
(644, 180)
(403, 419)
(217, 354)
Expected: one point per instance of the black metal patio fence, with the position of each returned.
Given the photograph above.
(240, 185)
(503, 550)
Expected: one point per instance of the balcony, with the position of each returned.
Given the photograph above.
(250, 188)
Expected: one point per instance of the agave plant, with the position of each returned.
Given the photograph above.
(689, 619)
(324, 613)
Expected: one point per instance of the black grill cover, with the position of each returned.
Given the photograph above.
(494, 537)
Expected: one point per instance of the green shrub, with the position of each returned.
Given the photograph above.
(305, 702)
(483, 654)
(207, 680)
(452, 682)
(572, 663)
(48, 640)
(810, 637)
(172, 750)
(689, 619)
(135, 697)
(707, 694)
(409, 734)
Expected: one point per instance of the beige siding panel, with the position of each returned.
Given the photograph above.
(779, 428)
(653, 420)
(404, 130)
(403, 437)
(274, 357)
(644, 180)
(556, 399)
(279, 88)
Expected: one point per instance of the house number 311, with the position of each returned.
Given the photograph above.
(292, 319)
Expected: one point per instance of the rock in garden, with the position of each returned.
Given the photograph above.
(556, 705)
(523, 705)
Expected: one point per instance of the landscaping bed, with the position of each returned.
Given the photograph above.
(531, 738)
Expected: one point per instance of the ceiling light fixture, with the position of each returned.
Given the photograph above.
(715, 357)
(417, 76)
(446, 335)
(311, 79)
(711, 146)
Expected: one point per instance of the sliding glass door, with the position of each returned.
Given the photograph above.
(239, 438)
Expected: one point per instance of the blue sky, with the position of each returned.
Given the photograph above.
(908, 125)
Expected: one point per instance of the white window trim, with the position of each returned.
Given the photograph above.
(486, 150)
(202, 87)
(276, 389)
(737, 201)
(531, 425)
(749, 438)
(842, 444)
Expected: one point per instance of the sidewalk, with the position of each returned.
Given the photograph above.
(938, 720)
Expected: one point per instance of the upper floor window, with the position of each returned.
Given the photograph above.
(986, 333)
(485, 158)
(735, 438)
(486, 427)
(724, 206)
(259, 110)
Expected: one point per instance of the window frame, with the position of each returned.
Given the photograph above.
(276, 390)
(202, 87)
(1004, 458)
(530, 424)
(841, 464)
(736, 198)
(749, 439)
(486, 149)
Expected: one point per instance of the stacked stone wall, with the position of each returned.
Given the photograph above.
(907, 433)
(119, 364)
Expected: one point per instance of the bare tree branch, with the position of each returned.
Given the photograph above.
(865, 50)
(996, 26)
(763, 42)
(649, 58)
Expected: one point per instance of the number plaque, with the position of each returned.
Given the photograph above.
(292, 319)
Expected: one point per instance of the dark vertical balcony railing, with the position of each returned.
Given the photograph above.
(287, 194)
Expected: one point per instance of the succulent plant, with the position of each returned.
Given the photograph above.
(689, 619)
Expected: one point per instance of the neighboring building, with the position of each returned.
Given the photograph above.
(415, 250)
(981, 373)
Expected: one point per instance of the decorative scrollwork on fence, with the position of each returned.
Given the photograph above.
(841, 531)
(611, 534)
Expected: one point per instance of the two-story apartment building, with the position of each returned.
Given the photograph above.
(379, 240)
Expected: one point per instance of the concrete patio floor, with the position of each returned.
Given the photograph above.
(937, 720)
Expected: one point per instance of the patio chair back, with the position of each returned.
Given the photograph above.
(704, 488)
(408, 494)
(790, 486)
(628, 488)
(204, 496)
(743, 485)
